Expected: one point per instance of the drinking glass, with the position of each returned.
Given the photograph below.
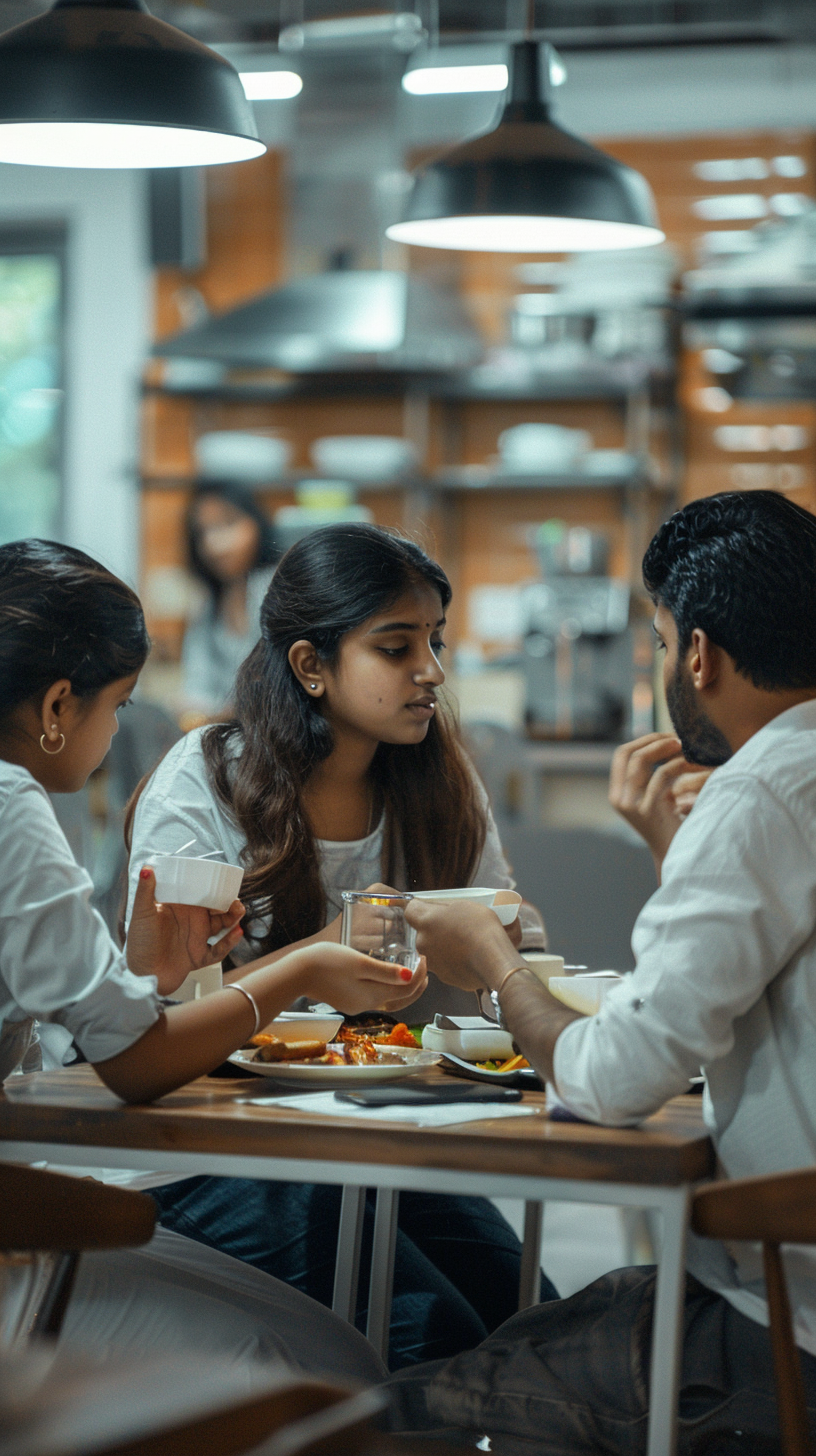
(375, 924)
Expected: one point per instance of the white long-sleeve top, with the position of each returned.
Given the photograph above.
(725, 979)
(57, 960)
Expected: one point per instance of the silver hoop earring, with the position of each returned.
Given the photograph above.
(52, 752)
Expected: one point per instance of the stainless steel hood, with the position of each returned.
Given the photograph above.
(340, 320)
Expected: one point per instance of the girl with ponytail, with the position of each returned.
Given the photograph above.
(72, 644)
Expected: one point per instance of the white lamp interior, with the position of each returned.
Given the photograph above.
(116, 144)
(513, 234)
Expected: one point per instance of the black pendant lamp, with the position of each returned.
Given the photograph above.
(92, 84)
(529, 186)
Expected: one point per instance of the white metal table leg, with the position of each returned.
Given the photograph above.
(530, 1274)
(349, 1238)
(667, 1330)
(381, 1284)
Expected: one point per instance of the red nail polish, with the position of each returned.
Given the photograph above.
(405, 974)
(145, 874)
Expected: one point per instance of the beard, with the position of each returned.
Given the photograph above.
(700, 739)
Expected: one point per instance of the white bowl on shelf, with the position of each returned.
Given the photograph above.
(246, 455)
(364, 457)
(537, 447)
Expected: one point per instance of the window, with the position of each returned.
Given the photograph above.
(31, 382)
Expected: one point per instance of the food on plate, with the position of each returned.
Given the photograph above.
(273, 1050)
(399, 1035)
(352, 1049)
(513, 1064)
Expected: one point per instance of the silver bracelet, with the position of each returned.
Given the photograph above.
(235, 986)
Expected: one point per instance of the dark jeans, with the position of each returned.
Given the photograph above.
(456, 1272)
(571, 1378)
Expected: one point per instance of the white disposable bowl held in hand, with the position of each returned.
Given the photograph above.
(185, 881)
(584, 993)
(471, 892)
(506, 905)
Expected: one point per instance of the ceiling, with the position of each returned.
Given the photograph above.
(571, 24)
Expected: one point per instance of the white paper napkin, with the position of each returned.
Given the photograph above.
(440, 1115)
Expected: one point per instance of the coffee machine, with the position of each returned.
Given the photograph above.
(583, 674)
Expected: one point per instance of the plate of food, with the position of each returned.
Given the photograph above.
(512, 1071)
(354, 1057)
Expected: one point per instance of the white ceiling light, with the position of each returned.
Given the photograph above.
(105, 84)
(528, 186)
(454, 80)
(271, 85)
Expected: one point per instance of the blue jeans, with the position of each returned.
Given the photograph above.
(571, 1378)
(456, 1272)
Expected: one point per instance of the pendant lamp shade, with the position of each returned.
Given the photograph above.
(109, 85)
(529, 186)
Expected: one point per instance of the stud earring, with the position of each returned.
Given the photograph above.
(313, 686)
(52, 752)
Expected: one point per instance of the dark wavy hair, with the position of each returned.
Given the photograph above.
(326, 585)
(62, 615)
(742, 567)
(237, 495)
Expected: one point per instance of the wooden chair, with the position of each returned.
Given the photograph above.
(47, 1213)
(780, 1209)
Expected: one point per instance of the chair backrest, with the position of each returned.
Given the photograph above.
(46, 1221)
(780, 1209)
(41, 1210)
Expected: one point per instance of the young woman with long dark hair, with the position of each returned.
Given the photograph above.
(72, 643)
(231, 549)
(342, 768)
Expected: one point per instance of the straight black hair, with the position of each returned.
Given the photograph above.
(62, 615)
(742, 567)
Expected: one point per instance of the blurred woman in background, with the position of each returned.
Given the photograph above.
(231, 550)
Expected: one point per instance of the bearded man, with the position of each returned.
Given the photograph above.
(725, 979)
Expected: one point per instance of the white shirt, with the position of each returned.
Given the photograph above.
(57, 960)
(725, 979)
(179, 802)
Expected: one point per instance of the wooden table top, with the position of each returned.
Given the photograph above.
(71, 1106)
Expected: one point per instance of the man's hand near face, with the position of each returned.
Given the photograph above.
(466, 946)
(653, 788)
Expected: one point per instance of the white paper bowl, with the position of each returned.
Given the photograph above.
(471, 892)
(305, 1028)
(543, 966)
(186, 881)
(583, 993)
(506, 905)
